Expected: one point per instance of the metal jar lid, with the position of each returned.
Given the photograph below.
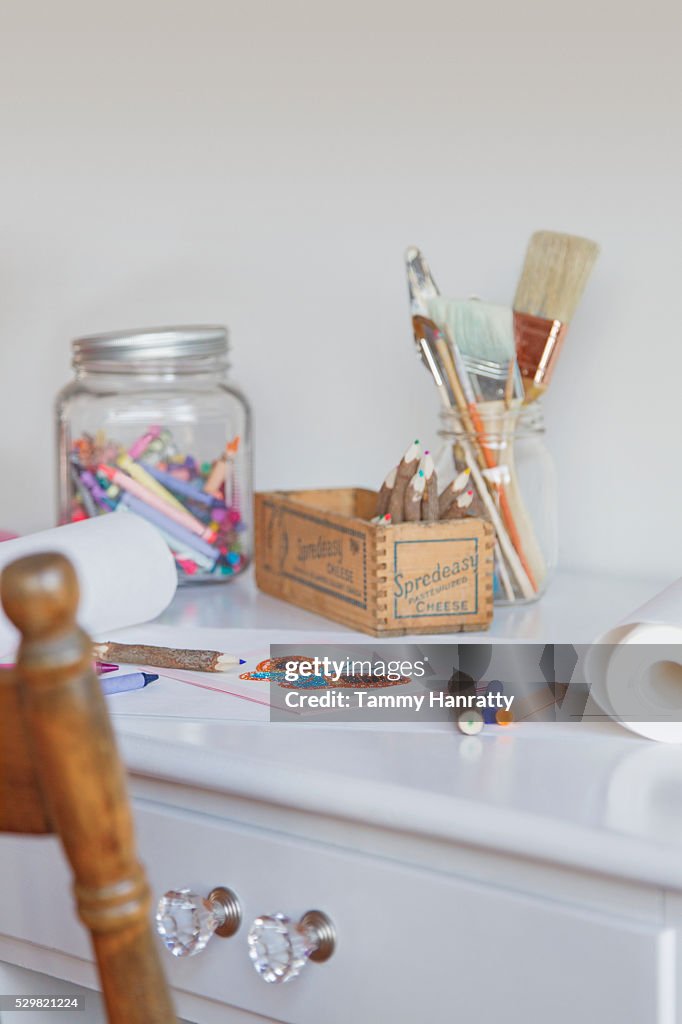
(151, 343)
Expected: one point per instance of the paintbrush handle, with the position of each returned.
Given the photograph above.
(510, 553)
(500, 419)
(505, 507)
(503, 574)
(442, 366)
(474, 428)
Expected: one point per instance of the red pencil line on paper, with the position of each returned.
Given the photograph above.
(229, 693)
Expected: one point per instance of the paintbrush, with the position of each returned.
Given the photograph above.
(484, 333)
(422, 289)
(451, 381)
(500, 419)
(420, 282)
(489, 457)
(439, 361)
(552, 282)
(483, 336)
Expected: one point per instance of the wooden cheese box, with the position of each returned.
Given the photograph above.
(318, 549)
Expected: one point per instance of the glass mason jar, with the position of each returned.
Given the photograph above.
(513, 480)
(150, 425)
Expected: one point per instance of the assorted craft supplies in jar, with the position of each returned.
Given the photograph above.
(151, 426)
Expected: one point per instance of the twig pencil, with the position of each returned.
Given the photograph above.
(430, 499)
(413, 497)
(166, 657)
(407, 467)
(459, 507)
(384, 496)
(452, 490)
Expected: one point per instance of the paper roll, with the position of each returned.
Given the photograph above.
(635, 669)
(125, 571)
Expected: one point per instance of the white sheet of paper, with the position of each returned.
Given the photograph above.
(125, 571)
(223, 695)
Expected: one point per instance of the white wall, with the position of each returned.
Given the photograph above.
(265, 165)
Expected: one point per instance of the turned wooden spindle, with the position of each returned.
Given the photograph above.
(65, 724)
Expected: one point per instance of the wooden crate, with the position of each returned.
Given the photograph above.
(317, 549)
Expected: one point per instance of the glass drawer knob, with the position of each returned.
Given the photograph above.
(280, 948)
(186, 921)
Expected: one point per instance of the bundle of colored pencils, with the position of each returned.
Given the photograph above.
(409, 494)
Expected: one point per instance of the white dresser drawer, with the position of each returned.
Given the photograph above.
(412, 945)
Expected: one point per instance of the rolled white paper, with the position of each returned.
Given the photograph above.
(635, 669)
(126, 572)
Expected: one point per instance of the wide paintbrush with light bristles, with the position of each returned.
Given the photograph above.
(553, 279)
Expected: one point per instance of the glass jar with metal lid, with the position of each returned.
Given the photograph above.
(151, 426)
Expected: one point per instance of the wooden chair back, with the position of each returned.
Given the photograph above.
(60, 773)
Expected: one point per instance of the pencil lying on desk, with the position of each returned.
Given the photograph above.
(166, 657)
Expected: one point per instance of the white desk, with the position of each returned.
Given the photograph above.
(532, 874)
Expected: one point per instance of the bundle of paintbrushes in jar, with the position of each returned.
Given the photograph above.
(491, 364)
